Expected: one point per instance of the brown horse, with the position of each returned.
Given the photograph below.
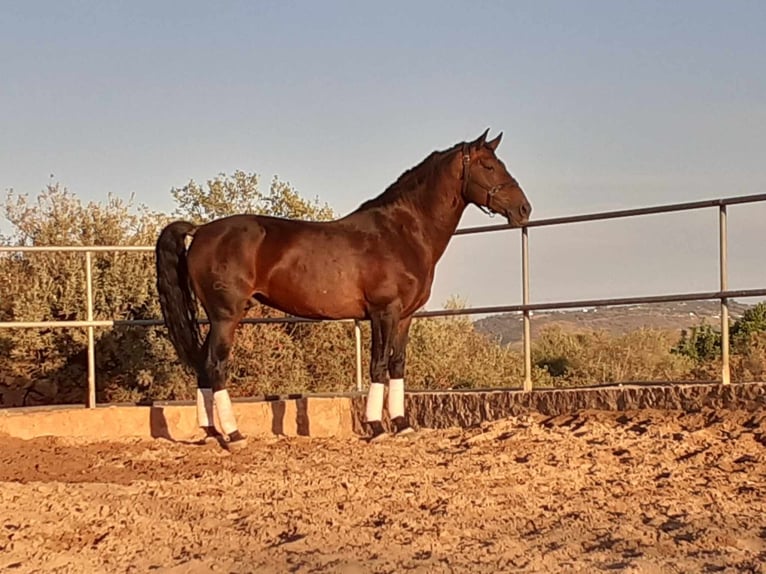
(375, 264)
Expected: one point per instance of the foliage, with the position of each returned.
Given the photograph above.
(447, 353)
(597, 357)
(51, 286)
(702, 343)
(752, 322)
(239, 193)
(749, 362)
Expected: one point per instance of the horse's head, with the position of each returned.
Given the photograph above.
(487, 183)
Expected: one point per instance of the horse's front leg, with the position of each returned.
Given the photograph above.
(396, 364)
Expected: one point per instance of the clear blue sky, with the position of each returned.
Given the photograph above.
(603, 104)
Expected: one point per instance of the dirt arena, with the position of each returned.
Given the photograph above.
(614, 492)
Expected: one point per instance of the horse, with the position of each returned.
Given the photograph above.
(375, 264)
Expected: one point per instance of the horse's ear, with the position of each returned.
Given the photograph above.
(482, 138)
(495, 142)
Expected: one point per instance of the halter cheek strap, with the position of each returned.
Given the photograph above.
(466, 170)
(490, 191)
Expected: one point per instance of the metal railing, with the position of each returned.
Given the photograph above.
(526, 308)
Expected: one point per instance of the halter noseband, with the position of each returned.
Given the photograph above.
(491, 191)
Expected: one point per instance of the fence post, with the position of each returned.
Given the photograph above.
(724, 268)
(91, 337)
(525, 300)
(358, 345)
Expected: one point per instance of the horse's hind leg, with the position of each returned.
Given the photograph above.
(217, 350)
(383, 324)
(205, 417)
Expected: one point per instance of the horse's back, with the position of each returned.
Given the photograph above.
(300, 267)
(335, 269)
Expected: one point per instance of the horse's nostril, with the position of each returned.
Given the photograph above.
(525, 209)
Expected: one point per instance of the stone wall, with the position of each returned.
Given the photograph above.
(458, 408)
(323, 416)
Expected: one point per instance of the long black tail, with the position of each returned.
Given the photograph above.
(179, 306)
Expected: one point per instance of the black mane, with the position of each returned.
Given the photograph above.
(407, 183)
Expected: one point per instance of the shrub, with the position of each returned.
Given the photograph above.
(702, 345)
(597, 357)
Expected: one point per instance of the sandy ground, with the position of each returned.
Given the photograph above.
(595, 492)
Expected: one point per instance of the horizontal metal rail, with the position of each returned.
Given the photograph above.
(76, 248)
(526, 308)
(551, 306)
(619, 214)
(585, 303)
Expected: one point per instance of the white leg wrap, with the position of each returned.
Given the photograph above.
(225, 412)
(375, 402)
(205, 407)
(396, 398)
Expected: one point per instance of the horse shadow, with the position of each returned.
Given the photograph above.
(158, 423)
(279, 414)
(160, 428)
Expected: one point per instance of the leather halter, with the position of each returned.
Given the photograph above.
(466, 171)
(491, 191)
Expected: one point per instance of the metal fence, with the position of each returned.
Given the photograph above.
(723, 294)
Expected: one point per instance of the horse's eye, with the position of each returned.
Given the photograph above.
(487, 166)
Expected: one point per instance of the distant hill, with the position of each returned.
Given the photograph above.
(615, 320)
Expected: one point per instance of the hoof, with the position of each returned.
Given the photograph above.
(212, 436)
(208, 440)
(403, 428)
(377, 437)
(406, 432)
(236, 445)
(237, 441)
(378, 432)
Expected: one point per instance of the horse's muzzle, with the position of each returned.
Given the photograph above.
(518, 217)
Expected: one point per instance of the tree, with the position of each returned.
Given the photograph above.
(238, 193)
(51, 286)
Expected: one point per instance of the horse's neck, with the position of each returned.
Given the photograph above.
(442, 209)
(435, 207)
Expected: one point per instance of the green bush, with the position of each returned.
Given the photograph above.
(702, 345)
(752, 322)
